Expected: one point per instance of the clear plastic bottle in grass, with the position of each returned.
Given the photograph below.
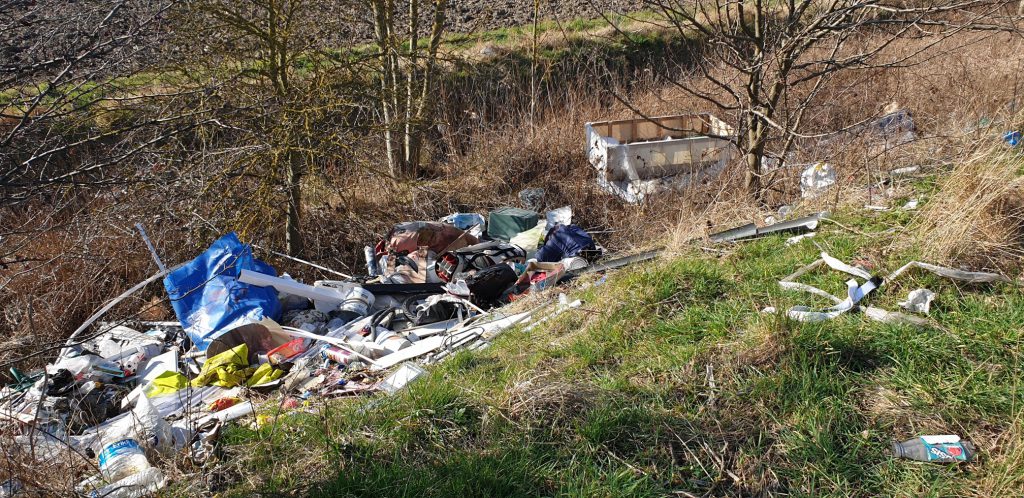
(938, 449)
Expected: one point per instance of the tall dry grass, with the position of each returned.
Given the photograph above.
(976, 218)
(492, 148)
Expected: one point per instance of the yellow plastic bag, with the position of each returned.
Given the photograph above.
(227, 369)
(165, 383)
(265, 373)
(531, 239)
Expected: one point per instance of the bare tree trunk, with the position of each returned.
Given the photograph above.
(424, 103)
(389, 140)
(411, 157)
(752, 179)
(406, 109)
(394, 91)
(754, 147)
(382, 19)
(292, 224)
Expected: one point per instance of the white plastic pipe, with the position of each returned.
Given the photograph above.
(230, 413)
(291, 287)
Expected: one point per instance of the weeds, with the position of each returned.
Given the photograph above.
(669, 381)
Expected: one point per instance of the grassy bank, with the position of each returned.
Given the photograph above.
(669, 381)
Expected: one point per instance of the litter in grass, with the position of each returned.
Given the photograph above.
(936, 449)
(120, 389)
(919, 301)
(128, 390)
(751, 231)
(797, 238)
(856, 292)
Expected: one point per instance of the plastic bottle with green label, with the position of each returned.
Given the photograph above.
(938, 449)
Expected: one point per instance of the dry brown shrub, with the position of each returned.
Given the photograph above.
(43, 469)
(977, 217)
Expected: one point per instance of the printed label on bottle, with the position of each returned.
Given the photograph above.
(946, 452)
(123, 447)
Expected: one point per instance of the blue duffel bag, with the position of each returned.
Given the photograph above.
(564, 241)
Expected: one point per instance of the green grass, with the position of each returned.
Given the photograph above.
(614, 400)
(524, 34)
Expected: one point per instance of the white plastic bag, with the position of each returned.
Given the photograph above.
(143, 424)
(125, 470)
(529, 240)
(87, 366)
(817, 179)
(919, 301)
(560, 216)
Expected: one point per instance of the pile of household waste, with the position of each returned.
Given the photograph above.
(122, 395)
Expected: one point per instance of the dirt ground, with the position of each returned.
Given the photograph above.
(469, 16)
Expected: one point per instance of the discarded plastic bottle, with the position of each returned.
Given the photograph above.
(371, 261)
(939, 449)
(122, 459)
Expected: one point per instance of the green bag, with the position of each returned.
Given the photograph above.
(505, 223)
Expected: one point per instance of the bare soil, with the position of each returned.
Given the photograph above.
(468, 16)
(471, 16)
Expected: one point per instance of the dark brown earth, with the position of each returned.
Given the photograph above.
(470, 16)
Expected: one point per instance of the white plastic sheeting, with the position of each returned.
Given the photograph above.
(918, 301)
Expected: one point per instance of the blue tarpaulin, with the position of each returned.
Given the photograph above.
(209, 299)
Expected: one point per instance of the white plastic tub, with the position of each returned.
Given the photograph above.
(637, 157)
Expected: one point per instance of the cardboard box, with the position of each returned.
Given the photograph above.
(541, 276)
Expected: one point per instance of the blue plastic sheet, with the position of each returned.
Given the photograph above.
(208, 298)
(465, 221)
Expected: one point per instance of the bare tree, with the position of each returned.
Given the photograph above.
(404, 63)
(278, 86)
(776, 57)
(76, 100)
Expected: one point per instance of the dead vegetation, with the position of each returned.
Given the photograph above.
(549, 400)
(56, 269)
(976, 218)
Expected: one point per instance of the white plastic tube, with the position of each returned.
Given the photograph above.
(291, 287)
(230, 413)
